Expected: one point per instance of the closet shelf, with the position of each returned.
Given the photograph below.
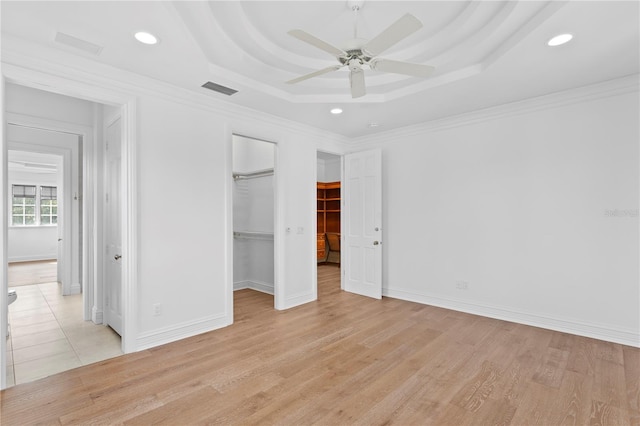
(253, 235)
(253, 175)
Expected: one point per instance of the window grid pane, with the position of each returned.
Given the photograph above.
(23, 206)
(49, 212)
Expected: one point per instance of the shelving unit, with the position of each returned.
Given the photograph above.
(328, 199)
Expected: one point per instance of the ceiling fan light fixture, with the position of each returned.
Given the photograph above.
(560, 39)
(146, 37)
(359, 52)
(336, 111)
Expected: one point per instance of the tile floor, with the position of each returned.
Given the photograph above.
(48, 335)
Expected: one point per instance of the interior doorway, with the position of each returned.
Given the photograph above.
(50, 322)
(253, 193)
(329, 221)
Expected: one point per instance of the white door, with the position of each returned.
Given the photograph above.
(362, 227)
(113, 232)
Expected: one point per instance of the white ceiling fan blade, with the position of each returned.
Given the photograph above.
(314, 74)
(315, 41)
(358, 88)
(396, 32)
(399, 67)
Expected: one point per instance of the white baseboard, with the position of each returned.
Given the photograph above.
(240, 285)
(254, 285)
(596, 331)
(97, 315)
(297, 300)
(31, 258)
(170, 334)
(76, 288)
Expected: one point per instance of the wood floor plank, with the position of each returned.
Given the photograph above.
(347, 359)
(603, 414)
(552, 369)
(631, 359)
(573, 402)
(609, 384)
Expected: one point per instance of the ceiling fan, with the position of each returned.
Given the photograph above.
(358, 52)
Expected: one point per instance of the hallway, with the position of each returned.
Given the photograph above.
(47, 334)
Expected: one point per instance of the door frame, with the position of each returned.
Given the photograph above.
(64, 204)
(82, 88)
(278, 287)
(88, 179)
(342, 219)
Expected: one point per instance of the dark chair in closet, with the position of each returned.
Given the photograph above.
(333, 248)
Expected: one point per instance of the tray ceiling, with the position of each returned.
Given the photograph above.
(485, 53)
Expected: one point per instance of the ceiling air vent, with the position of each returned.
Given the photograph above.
(77, 43)
(218, 88)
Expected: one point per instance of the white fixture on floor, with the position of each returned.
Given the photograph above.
(13, 295)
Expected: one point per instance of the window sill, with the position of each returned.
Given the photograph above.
(31, 226)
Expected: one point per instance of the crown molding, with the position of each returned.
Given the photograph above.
(622, 85)
(25, 68)
(36, 65)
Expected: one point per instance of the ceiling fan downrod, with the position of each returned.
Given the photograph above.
(355, 6)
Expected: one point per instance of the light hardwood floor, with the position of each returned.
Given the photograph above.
(28, 273)
(346, 359)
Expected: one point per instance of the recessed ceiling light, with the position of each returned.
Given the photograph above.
(336, 111)
(559, 39)
(145, 37)
(374, 124)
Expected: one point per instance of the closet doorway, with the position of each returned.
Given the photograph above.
(253, 223)
(329, 222)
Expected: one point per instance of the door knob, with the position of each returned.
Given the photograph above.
(59, 239)
(375, 243)
(117, 257)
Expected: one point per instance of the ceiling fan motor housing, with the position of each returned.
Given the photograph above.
(355, 63)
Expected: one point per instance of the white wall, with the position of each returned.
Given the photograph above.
(27, 243)
(252, 155)
(39, 103)
(518, 209)
(329, 170)
(184, 154)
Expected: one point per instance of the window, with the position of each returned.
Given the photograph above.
(48, 205)
(30, 207)
(24, 205)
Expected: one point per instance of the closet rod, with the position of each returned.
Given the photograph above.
(252, 175)
(253, 235)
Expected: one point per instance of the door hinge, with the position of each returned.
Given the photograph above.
(107, 197)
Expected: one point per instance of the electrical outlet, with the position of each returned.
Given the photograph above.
(462, 285)
(157, 309)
